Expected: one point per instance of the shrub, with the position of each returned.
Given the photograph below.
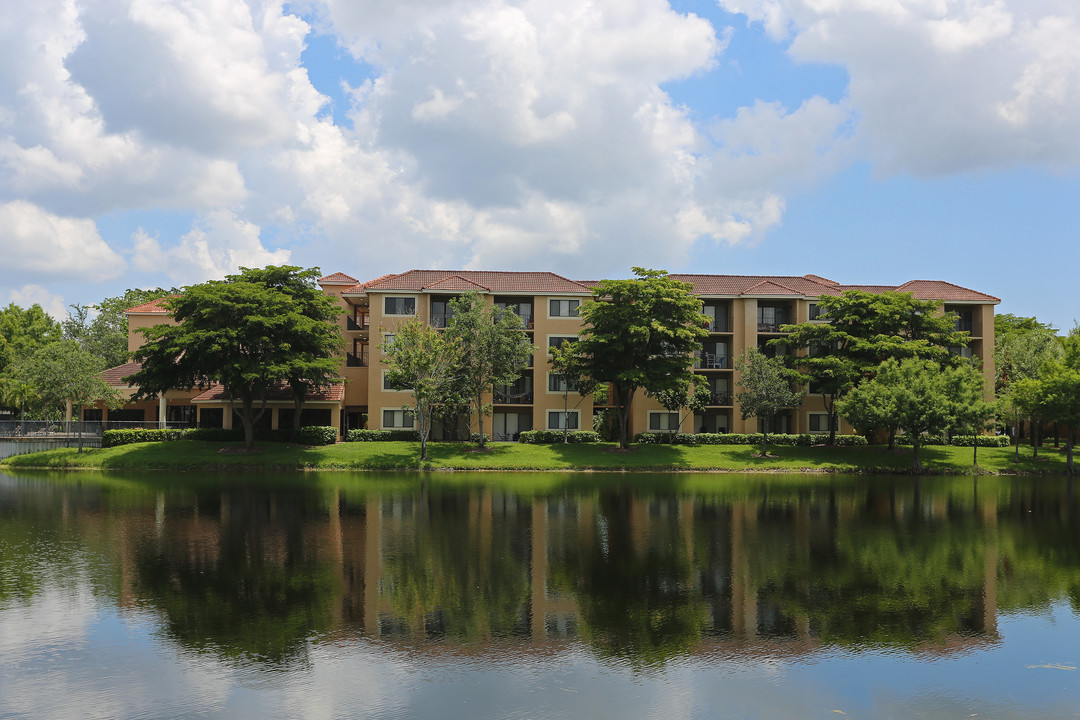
(317, 435)
(362, 435)
(126, 436)
(983, 440)
(475, 438)
(802, 439)
(215, 434)
(545, 437)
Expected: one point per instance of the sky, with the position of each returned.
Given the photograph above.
(150, 143)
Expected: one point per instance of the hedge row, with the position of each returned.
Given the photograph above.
(803, 439)
(545, 437)
(362, 435)
(307, 435)
(959, 440)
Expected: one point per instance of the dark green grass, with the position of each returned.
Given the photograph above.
(197, 455)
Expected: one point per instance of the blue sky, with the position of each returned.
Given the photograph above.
(152, 142)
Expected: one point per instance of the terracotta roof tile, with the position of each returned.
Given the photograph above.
(154, 307)
(455, 282)
(492, 281)
(114, 375)
(819, 279)
(279, 393)
(338, 278)
(735, 285)
(770, 287)
(941, 290)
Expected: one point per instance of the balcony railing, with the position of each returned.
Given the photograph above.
(713, 361)
(441, 320)
(720, 399)
(771, 327)
(719, 325)
(964, 325)
(512, 398)
(361, 323)
(353, 360)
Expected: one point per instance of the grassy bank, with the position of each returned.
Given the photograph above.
(197, 455)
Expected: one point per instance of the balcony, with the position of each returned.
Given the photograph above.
(720, 400)
(712, 361)
(512, 398)
(361, 322)
(964, 324)
(771, 327)
(353, 360)
(719, 325)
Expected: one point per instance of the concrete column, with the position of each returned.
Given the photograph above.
(161, 410)
(68, 409)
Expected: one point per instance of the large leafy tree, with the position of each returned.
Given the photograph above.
(693, 396)
(102, 329)
(62, 371)
(494, 350)
(1059, 392)
(566, 368)
(971, 413)
(639, 333)
(23, 332)
(315, 339)
(861, 331)
(247, 336)
(427, 362)
(766, 389)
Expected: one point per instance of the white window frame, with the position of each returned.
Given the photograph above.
(405, 414)
(414, 298)
(573, 311)
(569, 338)
(549, 391)
(824, 423)
(383, 381)
(670, 415)
(822, 317)
(562, 417)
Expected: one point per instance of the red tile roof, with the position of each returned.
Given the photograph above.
(491, 281)
(338, 278)
(455, 282)
(279, 393)
(113, 376)
(154, 307)
(941, 290)
(743, 285)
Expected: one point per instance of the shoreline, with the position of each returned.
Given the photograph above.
(403, 457)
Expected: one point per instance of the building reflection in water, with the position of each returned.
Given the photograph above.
(639, 575)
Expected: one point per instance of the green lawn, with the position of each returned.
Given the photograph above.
(192, 455)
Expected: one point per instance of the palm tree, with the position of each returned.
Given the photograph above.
(18, 394)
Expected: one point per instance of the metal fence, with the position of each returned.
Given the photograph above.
(92, 428)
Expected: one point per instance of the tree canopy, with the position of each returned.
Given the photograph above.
(767, 389)
(639, 333)
(248, 336)
(494, 350)
(23, 332)
(102, 329)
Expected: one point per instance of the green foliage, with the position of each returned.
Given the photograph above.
(426, 361)
(23, 332)
(127, 436)
(248, 335)
(639, 333)
(783, 439)
(362, 435)
(766, 384)
(1019, 354)
(546, 437)
(494, 349)
(317, 435)
(105, 335)
(308, 435)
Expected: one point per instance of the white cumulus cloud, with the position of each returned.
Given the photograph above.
(38, 243)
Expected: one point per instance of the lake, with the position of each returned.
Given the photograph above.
(538, 595)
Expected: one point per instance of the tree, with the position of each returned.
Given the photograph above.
(494, 350)
(766, 384)
(22, 332)
(102, 329)
(966, 389)
(1059, 392)
(693, 395)
(639, 334)
(566, 368)
(18, 394)
(316, 340)
(871, 407)
(426, 362)
(244, 335)
(62, 371)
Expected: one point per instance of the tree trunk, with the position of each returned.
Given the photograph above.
(765, 438)
(79, 425)
(1016, 440)
(1069, 469)
(480, 418)
(975, 452)
(624, 397)
(298, 407)
(247, 417)
(916, 461)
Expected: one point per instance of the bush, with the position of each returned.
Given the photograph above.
(317, 435)
(545, 437)
(983, 440)
(475, 438)
(113, 438)
(215, 434)
(361, 435)
(802, 439)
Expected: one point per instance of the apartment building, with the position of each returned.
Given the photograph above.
(744, 311)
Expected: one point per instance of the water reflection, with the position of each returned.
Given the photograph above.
(639, 572)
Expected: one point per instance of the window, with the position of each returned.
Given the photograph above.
(563, 420)
(964, 352)
(663, 421)
(560, 385)
(558, 340)
(563, 308)
(771, 317)
(819, 423)
(387, 341)
(399, 305)
(397, 419)
(817, 312)
(391, 386)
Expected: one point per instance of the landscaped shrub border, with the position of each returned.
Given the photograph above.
(803, 439)
(307, 435)
(362, 435)
(959, 440)
(550, 437)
